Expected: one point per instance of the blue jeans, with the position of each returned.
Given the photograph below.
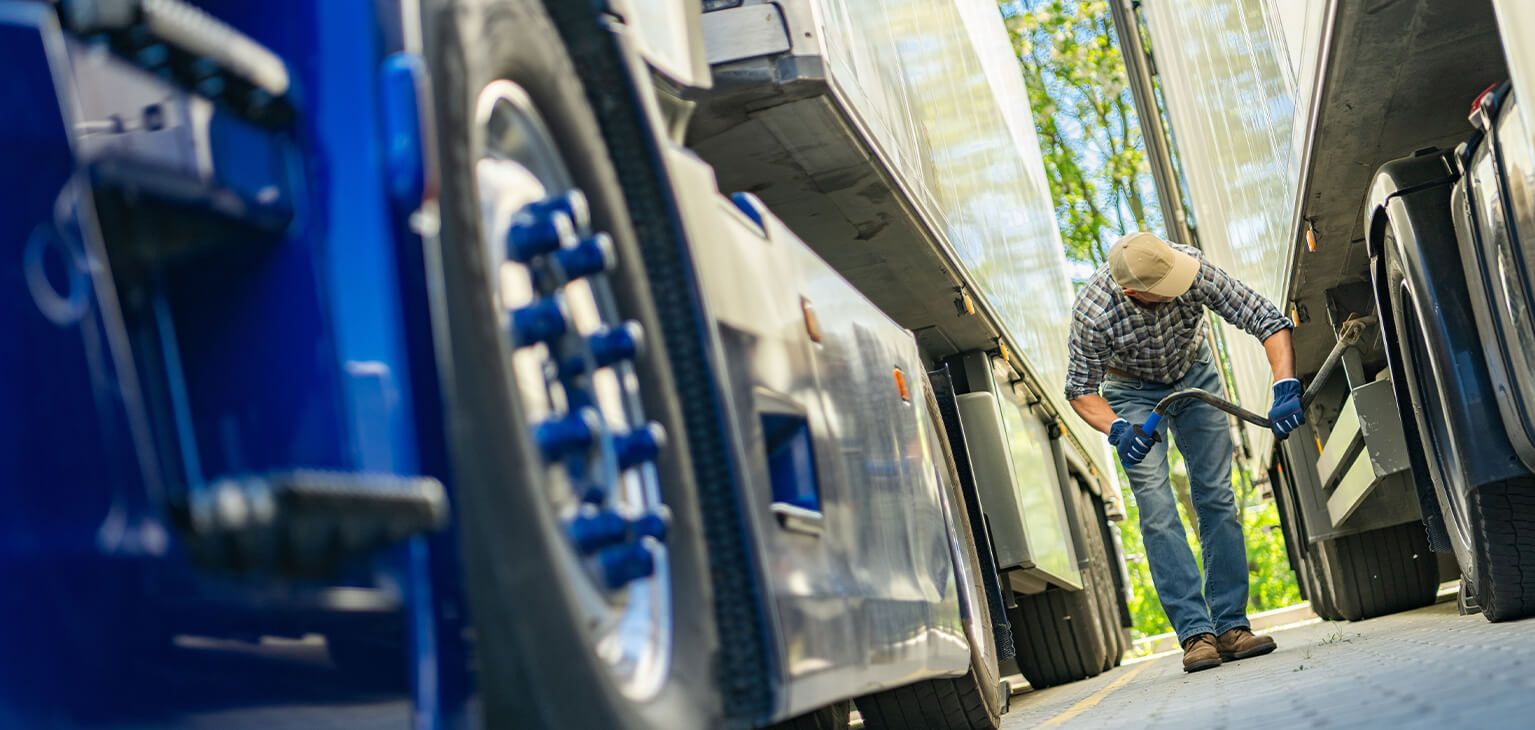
(1204, 437)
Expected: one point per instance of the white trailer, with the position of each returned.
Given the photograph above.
(1361, 163)
(897, 142)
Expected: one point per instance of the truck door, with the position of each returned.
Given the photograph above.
(216, 454)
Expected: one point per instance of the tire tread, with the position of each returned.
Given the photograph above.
(1380, 571)
(1503, 515)
(948, 703)
(1060, 646)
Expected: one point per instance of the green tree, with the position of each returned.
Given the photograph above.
(1095, 158)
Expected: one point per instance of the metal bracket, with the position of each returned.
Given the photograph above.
(305, 523)
(172, 38)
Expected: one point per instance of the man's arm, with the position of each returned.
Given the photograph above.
(1237, 303)
(1281, 354)
(1089, 354)
(1095, 409)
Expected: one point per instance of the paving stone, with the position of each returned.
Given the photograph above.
(1428, 667)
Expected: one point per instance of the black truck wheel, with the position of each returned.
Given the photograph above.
(586, 575)
(1119, 615)
(1380, 571)
(1102, 582)
(665, 261)
(1319, 589)
(1356, 576)
(832, 717)
(1058, 637)
(1503, 531)
(1491, 527)
(935, 704)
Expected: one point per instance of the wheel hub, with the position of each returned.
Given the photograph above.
(572, 362)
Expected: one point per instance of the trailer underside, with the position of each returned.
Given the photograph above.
(809, 160)
(1396, 77)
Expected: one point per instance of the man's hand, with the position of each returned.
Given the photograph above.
(1286, 415)
(1132, 442)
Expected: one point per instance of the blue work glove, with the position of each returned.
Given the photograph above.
(1286, 414)
(1132, 442)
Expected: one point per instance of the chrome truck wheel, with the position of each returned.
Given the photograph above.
(586, 576)
(571, 361)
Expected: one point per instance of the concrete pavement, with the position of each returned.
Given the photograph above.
(1424, 668)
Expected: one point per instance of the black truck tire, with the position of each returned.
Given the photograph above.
(537, 665)
(1058, 637)
(1112, 594)
(1103, 581)
(935, 704)
(832, 717)
(609, 70)
(1380, 571)
(1491, 527)
(1319, 589)
(1503, 531)
(1119, 619)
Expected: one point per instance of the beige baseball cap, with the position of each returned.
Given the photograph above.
(1145, 263)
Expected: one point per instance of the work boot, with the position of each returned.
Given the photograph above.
(1199, 653)
(1241, 643)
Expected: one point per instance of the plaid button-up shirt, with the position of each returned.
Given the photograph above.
(1157, 343)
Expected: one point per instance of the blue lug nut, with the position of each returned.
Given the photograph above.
(640, 445)
(592, 531)
(559, 436)
(541, 321)
(595, 495)
(592, 255)
(653, 524)
(572, 203)
(615, 344)
(536, 231)
(623, 564)
(608, 346)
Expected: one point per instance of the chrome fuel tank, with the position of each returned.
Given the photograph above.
(839, 461)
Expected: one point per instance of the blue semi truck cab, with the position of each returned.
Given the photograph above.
(215, 416)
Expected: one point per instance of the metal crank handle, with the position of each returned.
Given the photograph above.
(1155, 419)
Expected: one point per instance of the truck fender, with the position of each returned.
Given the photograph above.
(1412, 197)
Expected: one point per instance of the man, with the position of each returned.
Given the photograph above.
(1138, 331)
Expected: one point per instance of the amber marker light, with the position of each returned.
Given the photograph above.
(812, 323)
(900, 385)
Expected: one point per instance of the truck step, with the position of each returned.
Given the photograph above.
(176, 40)
(305, 523)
